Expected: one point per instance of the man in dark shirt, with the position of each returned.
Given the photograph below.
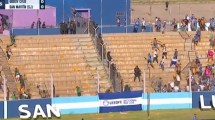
(74, 27)
(109, 58)
(32, 25)
(38, 23)
(175, 54)
(44, 25)
(137, 73)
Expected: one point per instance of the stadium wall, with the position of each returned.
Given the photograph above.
(109, 9)
(77, 105)
(112, 102)
(29, 31)
(179, 100)
(207, 99)
(56, 31)
(12, 106)
(119, 102)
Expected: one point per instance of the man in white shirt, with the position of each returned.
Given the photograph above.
(173, 62)
(155, 56)
(143, 25)
(164, 51)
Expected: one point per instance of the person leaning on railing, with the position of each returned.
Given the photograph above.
(109, 58)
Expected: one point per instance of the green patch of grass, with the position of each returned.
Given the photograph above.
(142, 115)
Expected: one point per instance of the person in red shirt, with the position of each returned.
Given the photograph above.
(210, 54)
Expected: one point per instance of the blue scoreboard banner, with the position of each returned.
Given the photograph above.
(22, 4)
(2, 4)
(119, 102)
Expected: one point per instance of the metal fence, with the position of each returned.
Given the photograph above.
(111, 68)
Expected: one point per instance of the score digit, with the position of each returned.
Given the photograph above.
(2, 4)
(42, 4)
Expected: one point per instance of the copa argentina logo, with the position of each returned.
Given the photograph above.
(38, 111)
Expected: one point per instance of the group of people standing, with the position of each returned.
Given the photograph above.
(159, 25)
(69, 27)
(38, 24)
(139, 23)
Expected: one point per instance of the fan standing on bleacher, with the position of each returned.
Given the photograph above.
(137, 73)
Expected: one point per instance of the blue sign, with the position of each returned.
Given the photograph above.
(207, 99)
(117, 102)
(1, 109)
(13, 106)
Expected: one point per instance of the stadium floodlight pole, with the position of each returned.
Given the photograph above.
(52, 84)
(101, 18)
(38, 31)
(148, 105)
(144, 82)
(126, 14)
(63, 10)
(179, 8)
(38, 26)
(170, 12)
(169, 15)
(5, 97)
(102, 52)
(109, 63)
(98, 80)
(190, 79)
(150, 9)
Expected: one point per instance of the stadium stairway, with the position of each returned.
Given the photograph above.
(95, 64)
(70, 60)
(6, 72)
(129, 50)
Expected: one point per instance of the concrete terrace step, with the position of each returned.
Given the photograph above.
(38, 56)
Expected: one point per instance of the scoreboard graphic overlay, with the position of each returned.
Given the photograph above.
(22, 4)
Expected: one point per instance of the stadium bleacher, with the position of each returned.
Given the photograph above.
(129, 50)
(71, 60)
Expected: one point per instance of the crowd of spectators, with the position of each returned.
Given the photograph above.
(192, 23)
(188, 23)
(201, 80)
